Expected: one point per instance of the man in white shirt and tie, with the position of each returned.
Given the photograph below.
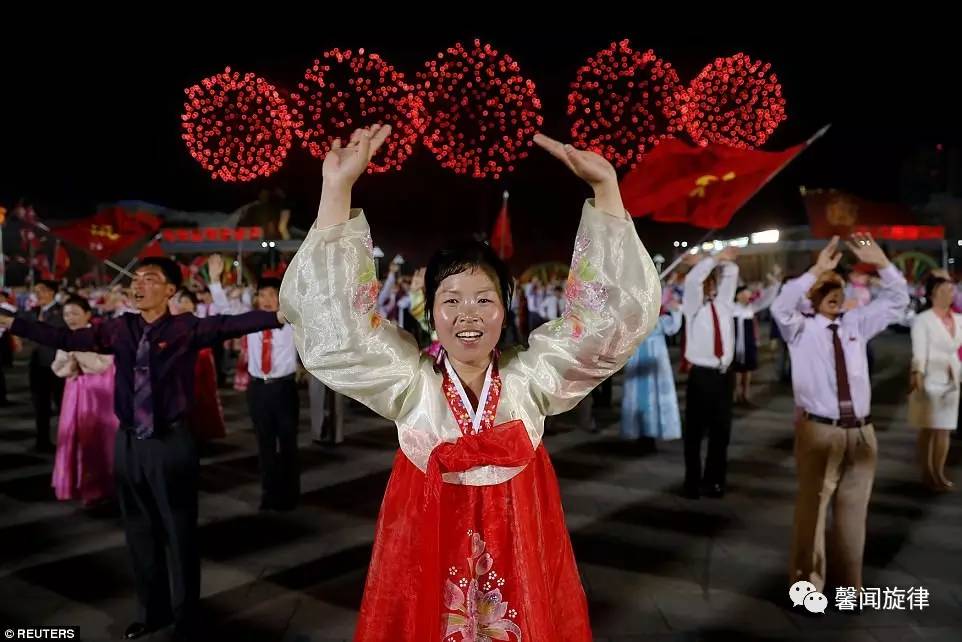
(835, 446)
(274, 405)
(552, 305)
(708, 305)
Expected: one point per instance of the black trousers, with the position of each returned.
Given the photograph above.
(220, 366)
(3, 384)
(275, 409)
(46, 389)
(708, 411)
(157, 489)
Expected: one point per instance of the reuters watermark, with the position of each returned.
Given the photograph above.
(42, 633)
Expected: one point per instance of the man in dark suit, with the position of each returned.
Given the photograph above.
(46, 388)
(6, 348)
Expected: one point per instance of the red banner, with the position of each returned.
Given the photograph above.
(700, 186)
(202, 234)
(109, 231)
(903, 232)
(832, 213)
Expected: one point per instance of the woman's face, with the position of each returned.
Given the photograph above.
(181, 305)
(942, 295)
(468, 315)
(75, 317)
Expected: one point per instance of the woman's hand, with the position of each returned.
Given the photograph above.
(916, 382)
(590, 167)
(344, 164)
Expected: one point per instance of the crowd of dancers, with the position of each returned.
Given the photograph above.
(469, 364)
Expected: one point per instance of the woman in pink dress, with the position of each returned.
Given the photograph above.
(83, 468)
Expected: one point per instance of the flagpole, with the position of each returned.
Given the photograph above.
(812, 139)
(123, 271)
(504, 204)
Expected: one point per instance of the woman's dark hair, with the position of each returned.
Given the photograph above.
(461, 257)
(740, 289)
(931, 284)
(827, 283)
(184, 293)
(80, 302)
(50, 284)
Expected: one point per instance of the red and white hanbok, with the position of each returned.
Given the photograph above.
(471, 543)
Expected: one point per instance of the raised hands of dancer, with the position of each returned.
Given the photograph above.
(729, 254)
(215, 267)
(590, 167)
(866, 249)
(417, 281)
(345, 163)
(828, 258)
(775, 276)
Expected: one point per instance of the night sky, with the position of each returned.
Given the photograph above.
(91, 115)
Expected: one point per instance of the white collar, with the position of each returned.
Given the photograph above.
(475, 415)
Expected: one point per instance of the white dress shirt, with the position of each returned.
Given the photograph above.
(748, 311)
(812, 348)
(283, 353)
(219, 303)
(550, 307)
(533, 294)
(699, 327)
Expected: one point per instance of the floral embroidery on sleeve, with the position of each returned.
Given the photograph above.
(367, 287)
(478, 608)
(585, 296)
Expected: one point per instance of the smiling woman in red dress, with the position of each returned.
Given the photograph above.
(471, 543)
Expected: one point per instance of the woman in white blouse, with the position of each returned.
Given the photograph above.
(934, 399)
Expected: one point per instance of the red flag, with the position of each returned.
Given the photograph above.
(61, 261)
(501, 240)
(41, 267)
(109, 231)
(700, 186)
(151, 249)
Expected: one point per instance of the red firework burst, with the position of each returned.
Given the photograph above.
(623, 102)
(345, 90)
(734, 101)
(482, 111)
(237, 126)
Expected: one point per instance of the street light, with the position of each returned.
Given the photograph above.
(767, 236)
(684, 243)
(677, 244)
(264, 244)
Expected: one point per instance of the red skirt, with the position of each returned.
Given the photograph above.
(474, 563)
(206, 413)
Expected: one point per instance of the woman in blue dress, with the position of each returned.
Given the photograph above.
(649, 404)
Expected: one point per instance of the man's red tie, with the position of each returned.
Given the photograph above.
(266, 341)
(719, 349)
